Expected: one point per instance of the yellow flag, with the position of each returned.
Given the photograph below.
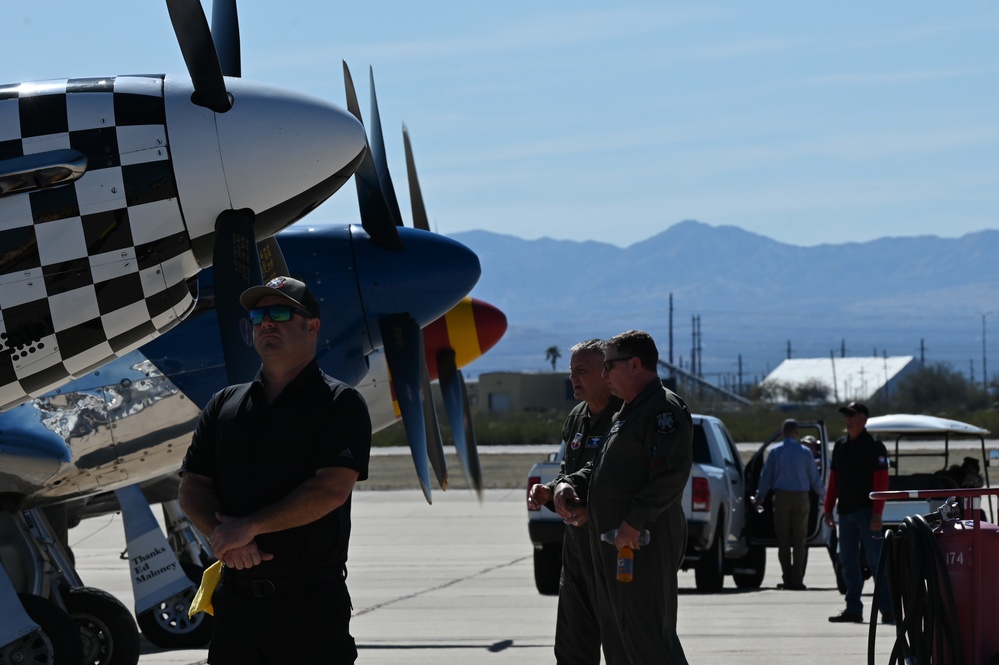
(203, 599)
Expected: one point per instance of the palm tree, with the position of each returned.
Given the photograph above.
(552, 354)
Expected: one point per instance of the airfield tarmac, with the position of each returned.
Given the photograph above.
(453, 582)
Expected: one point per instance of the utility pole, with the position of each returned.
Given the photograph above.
(788, 349)
(842, 349)
(887, 386)
(700, 350)
(671, 329)
(922, 351)
(740, 373)
(696, 361)
(985, 371)
(693, 345)
(832, 359)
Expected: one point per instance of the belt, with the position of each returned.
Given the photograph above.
(266, 587)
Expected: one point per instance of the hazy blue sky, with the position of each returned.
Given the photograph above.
(806, 122)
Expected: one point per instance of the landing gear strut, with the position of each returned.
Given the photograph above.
(74, 623)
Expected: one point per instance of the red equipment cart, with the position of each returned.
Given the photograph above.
(967, 548)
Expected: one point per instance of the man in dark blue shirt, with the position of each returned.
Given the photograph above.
(790, 472)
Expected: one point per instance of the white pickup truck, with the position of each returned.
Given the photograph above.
(715, 502)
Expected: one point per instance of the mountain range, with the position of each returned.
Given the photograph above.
(753, 297)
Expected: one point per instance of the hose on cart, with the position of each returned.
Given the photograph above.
(922, 598)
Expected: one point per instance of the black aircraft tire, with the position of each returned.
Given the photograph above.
(57, 642)
(107, 629)
(168, 626)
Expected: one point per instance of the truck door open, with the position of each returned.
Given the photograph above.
(761, 525)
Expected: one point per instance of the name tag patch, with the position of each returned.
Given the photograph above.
(594, 441)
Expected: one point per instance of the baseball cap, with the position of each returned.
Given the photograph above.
(288, 288)
(809, 439)
(853, 408)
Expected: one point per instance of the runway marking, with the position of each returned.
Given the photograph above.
(438, 587)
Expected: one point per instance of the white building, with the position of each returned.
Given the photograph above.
(848, 379)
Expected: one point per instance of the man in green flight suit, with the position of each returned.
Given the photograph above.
(577, 632)
(637, 484)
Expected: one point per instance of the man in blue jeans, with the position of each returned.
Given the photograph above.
(859, 467)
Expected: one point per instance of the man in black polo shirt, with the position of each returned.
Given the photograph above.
(268, 478)
(859, 467)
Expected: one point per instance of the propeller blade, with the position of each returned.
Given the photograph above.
(195, 40)
(236, 267)
(225, 34)
(376, 216)
(435, 445)
(378, 150)
(459, 417)
(474, 467)
(272, 263)
(420, 220)
(402, 340)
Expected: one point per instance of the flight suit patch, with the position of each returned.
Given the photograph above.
(577, 441)
(594, 441)
(618, 424)
(665, 423)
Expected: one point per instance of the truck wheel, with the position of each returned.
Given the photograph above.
(709, 572)
(548, 569)
(749, 570)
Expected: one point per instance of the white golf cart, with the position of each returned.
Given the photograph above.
(928, 436)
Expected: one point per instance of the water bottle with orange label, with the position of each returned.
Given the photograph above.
(625, 555)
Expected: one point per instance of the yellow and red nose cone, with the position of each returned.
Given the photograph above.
(471, 328)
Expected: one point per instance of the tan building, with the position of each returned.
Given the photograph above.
(513, 392)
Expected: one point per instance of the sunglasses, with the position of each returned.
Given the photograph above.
(609, 363)
(276, 313)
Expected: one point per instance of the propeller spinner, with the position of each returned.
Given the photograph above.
(278, 156)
